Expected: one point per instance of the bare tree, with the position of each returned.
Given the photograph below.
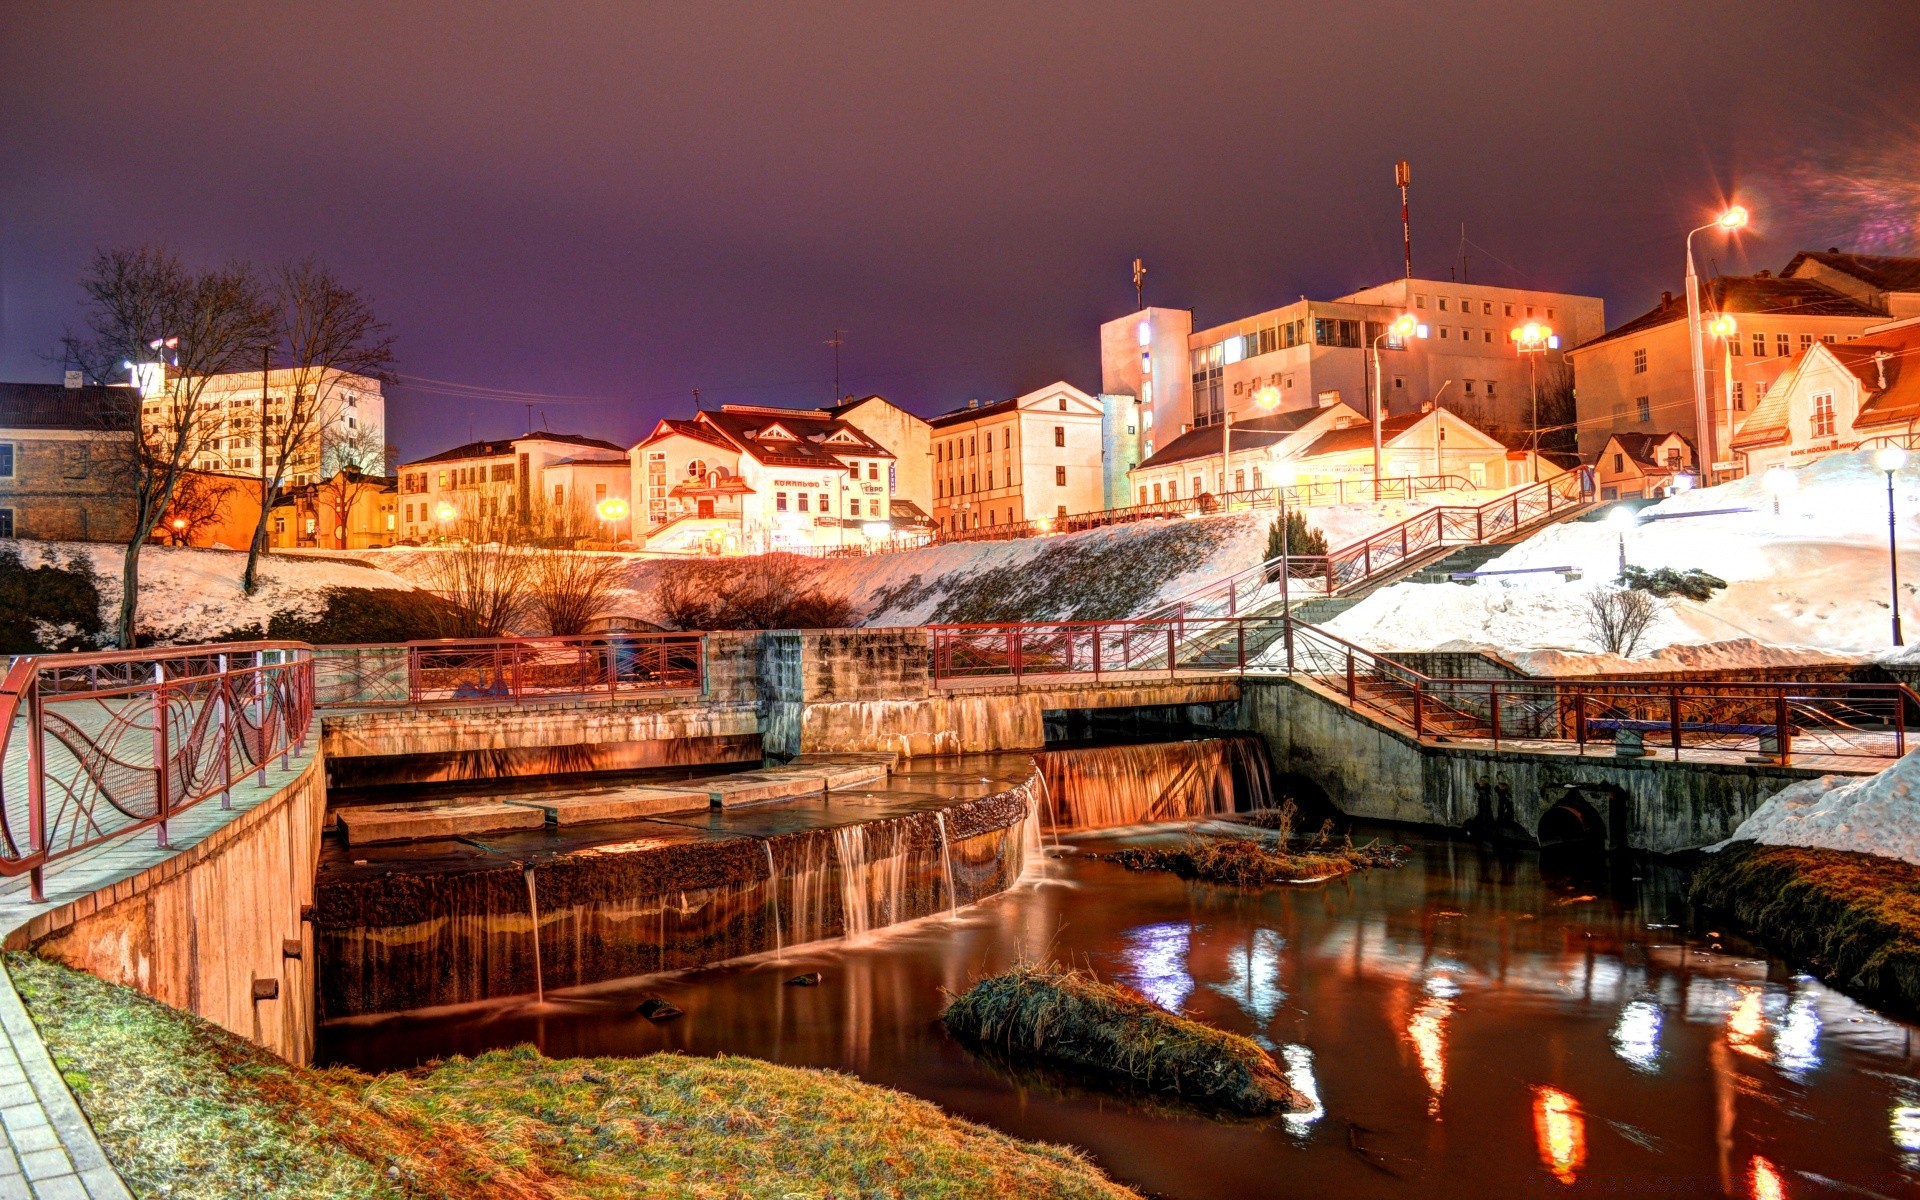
(143, 304)
(756, 591)
(353, 462)
(567, 589)
(483, 574)
(330, 339)
(1618, 618)
(197, 503)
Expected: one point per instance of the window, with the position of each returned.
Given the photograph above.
(1469, 384)
(873, 470)
(6, 460)
(1734, 348)
(1490, 384)
(280, 523)
(1509, 309)
(1466, 305)
(1760, 389)
(1486, 308)
(1781, 345)
(1173, 490)
(779, 502)
(1256, 477)
(1643, 407)
(1759, 345)
(1673, 459)
(1330, 331)
(1619, 464)
(823, 503)
(1063, 404)
(1443, 328)
(1639, 362)
(1059, 435)
(1823, 415)
(1240, 481)
(1143, 493)
(1419, 301)
(443, 479)
(1806, 339)
(1399, 383)
(1156, 493)
(803, 502)
(1828, 338)
(1549, 314)
(1060, 477)
(1060, 510)
(853, 507)
(1740, 395)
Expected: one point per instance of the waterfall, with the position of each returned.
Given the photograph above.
(946, 863)
(851, 843)
(873, 883)
(773, 896)
(533, 907)
(1099, 787)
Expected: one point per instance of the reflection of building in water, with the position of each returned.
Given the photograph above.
(1561, 1131)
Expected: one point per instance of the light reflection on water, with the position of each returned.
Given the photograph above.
(1253, 979)
(1636, 1036)
(1156, 957)
(1560, 1129)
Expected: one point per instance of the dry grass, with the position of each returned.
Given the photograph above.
(1254, 859)
(1853, 918)
(185, 1110)
(1072, 1018)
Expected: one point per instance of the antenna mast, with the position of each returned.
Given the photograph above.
(836, 341)
(1139, 283)
(1402, 176)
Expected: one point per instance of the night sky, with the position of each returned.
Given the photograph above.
(609, 205)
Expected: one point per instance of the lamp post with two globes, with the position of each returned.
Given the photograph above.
(1534, 339)
(1727, 222)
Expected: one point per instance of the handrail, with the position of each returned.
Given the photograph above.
(508, 669)
(1387, 549)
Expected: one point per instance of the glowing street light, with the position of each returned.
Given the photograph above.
(613, 508)
(1534, 339)
(1623, 519)
(444, 510)
(1890, 459)
(1402, 327)
(1779, 482)
(1267, 397)
(1733, 219)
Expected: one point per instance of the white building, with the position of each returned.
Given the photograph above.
(350, 424)
(542, 482)
(1034, 457)
(1838, 396)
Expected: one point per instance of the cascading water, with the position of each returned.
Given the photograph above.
(850, 842)
(773, 896)
(946, 863)
(1100, 787)
(533, 909)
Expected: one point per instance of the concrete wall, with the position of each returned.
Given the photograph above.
(201, 928)
(440, 729)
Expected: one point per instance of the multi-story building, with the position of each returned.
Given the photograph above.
(542, 483)
(1031, 458)
(748, 479)
(1836, 397)
(348, 430)
(1638, 378)
(1644, 465)
(1318, 352)
(65, 462)
(309, 515)
(909, 438)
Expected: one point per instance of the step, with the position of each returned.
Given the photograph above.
(363, 824)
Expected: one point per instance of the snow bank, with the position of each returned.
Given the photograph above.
(1878, 814)
(1813, 577)
(191, 595)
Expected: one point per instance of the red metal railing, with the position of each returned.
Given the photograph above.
(509, 669)
(1771, 720)
(1390, 550)
(97, 746)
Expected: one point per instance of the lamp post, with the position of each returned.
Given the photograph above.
(1727, 222)
(612, 510)
(1268, 398)
(1404, 326)
(1890, 459)
(1725, 328)
(1532, 340)
(1779, 482)
(1283, 478)
(1622, 519)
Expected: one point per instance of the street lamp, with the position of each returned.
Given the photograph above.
(1733, 219)
(1724, 327)
(612, 510)
(1779, 482)
(1623, 519)
(1268, 398)
(1534, 339)
(1283, 478)
(1401, 328)
(1891, 459)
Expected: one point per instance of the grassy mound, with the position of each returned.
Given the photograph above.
(186, 1110)
(1070, 1017)
(1854, 919)
(1252, 861)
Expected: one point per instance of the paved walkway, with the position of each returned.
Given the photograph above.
(50, 1151)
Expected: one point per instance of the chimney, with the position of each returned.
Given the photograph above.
(1426, 406)
(974, 403)
(1766, 274)
(75, 379)
(1666, 299)
(1880, 358)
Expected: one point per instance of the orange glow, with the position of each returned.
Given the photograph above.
(1733, 218)
(1745, 1023)
(1403, 326)
(1723, 326)
(1427, 1030)
(1267, 397)
(1765, 1179)
(1561, 1131)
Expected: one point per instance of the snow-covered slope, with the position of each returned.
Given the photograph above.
(1878, 814)
(1813, 577)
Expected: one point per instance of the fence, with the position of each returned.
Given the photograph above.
(508, 669)
(97, 746)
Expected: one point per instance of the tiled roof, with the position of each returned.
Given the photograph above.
(960, 415)
(742, 425)
(1883, 272)
(495, 449)
(693, 429)
(1639, 446)
(1890, 355)
(1356, 437)
(54, 406)
(1760, 294)
(1251, 434)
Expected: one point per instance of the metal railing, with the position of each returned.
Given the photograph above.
(1390, 550)
(97, 746)
(1769, 721)
(508, 669)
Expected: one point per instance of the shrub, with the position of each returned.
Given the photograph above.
(48, 607)
(759, 591)
(355, 616)
(1693, 583)
(1618, 618)
(1302, 540)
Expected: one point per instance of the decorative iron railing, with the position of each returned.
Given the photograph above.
(508, 669)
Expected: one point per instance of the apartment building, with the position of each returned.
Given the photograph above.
(347, 432)
(1316, 353)
(540, 483)
(1030, 458)
(906, 436)
(1638, 378)
(345, 512)
(748, 479)
(65, 454)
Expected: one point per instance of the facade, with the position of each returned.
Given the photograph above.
(483, 487)
(1316, 353)
(352, 423)
(909, 438)
(211, 509)
(65, 459)
(1838, 397)
(1644, 465)
(1638, 378)
(748, 479)
(1031, 458)
(307, 516)
(1195, 462)
(1120, 442)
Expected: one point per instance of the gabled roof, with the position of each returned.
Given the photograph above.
(1882, 272)
(56, 406)
(1640, 447)
(998, 407)
(1889, 385)
(1254, 433)
(1359, 437)
(1759, 294)
(668, 427)
(495, 449)
(745, 427)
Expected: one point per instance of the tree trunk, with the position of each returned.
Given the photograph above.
(248, 580)
(130, 590)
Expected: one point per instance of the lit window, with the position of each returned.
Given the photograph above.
(1823, 415)
(1639, 362)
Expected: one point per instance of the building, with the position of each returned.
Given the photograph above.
(748, 479)
(1031, 458)
(1195, 462)
(1838, 396)
(66, 462)
(209, 508)
(539, 484)
(909, 438)
(1644, 465)
(1120, 442)
(1638, 378)
(1319, 352)
(348, 430)
(307, 516)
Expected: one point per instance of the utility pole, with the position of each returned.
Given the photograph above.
(1139, 284)
(696, 402)
(1402, 177)
(836, 341)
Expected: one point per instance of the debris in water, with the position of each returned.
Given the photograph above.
(658, 1010)
(810, 979)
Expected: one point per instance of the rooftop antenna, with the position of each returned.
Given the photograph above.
(1139, 284)
(836, 341)
(529, 416)
(1463, 252)
(1403, 176)
(696, 402)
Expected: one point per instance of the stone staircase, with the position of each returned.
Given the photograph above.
(1466, 558)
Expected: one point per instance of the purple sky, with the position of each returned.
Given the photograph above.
(611, 204)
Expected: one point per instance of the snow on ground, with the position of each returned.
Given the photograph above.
(1345, 524)
(1877, 814)
(1812, 579)
(190, 594)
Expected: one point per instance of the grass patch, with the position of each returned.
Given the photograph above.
(1268, 853)
(186, 1110)
(1854, 919)
(1072, 1018)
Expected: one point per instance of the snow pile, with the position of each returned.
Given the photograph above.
(1877, 814)
(191, 595)
(1345, 524)
(1813, 577)
(1704, 656)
